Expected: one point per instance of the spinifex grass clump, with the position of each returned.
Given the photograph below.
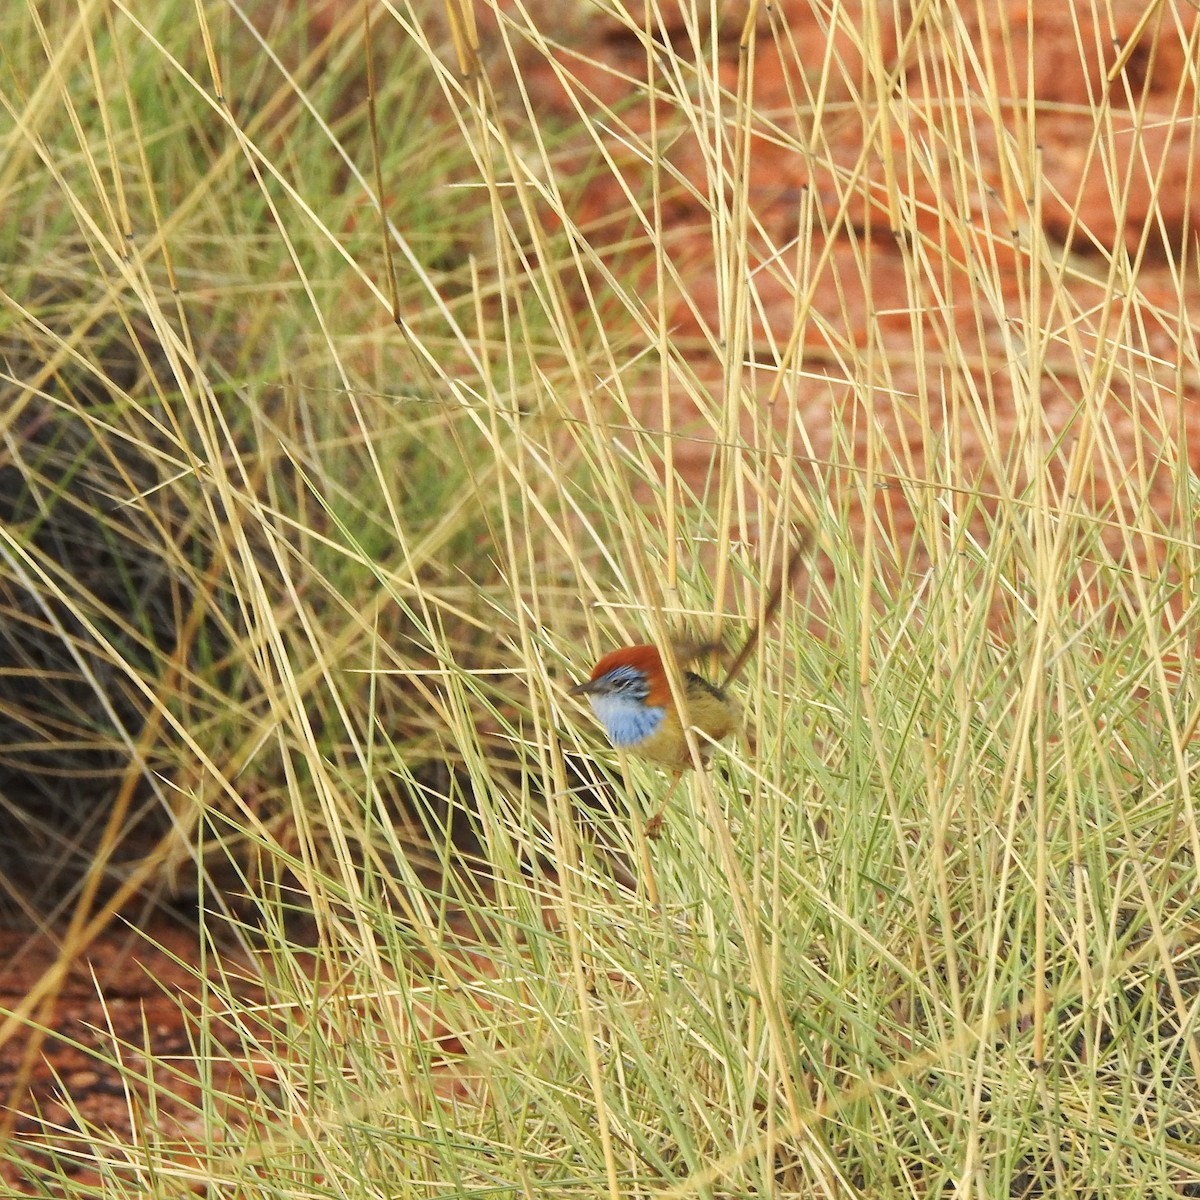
(219, 485)
(108, 599)
(935, 933)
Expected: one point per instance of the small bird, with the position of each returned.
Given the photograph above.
(631, 695)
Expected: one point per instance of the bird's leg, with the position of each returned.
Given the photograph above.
(654, 824)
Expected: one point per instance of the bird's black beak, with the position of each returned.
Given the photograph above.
(583, 689)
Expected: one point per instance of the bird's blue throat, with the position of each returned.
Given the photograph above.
(627, 720)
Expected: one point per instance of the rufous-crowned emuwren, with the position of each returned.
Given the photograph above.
(630, 693)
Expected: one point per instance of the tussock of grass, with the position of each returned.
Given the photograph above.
(387, 431)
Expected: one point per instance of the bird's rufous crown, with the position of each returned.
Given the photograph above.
(641, 658)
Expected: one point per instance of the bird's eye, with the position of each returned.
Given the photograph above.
(627, 682)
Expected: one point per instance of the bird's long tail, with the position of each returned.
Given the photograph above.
(795, 559)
